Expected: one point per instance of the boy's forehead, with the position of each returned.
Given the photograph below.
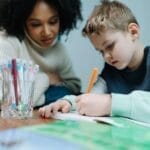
(104, 36)
(100, 40)
(97, 40)
(99, 37)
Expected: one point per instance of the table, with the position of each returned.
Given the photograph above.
(92, 136)
(99, 136)
(15, 123)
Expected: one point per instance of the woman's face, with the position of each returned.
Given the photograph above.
(43, 24)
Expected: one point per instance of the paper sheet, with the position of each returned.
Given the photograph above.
(140, 123)
(76, 116)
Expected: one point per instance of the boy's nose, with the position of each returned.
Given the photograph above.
(107, 56)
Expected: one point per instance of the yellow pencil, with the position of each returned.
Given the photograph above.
(92, 79)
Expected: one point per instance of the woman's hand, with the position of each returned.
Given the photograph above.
(60, 105)
(94, 104)
(54, 78)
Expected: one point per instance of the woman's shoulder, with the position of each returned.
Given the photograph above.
(59, 45)
(8, 39)
(9, 44)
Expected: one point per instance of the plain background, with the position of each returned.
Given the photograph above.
(83, 55)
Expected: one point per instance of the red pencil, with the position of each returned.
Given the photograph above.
(15, 75)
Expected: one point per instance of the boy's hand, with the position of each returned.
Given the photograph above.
(94, 104)
(60, 105)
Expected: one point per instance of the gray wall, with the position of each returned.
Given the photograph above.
(82, 53)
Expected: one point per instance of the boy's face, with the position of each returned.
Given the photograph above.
(117, 48)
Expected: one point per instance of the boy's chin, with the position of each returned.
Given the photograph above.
(120, 67)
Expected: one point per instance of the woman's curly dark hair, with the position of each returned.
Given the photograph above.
(14, 13)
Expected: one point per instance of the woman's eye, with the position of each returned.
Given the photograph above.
(54, 21)
(35, 24)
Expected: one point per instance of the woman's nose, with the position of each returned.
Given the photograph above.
(46, 31)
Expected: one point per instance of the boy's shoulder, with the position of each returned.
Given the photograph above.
(147, 48)
(147, 51)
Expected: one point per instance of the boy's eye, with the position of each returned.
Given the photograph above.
(102, 52)
(110, 46)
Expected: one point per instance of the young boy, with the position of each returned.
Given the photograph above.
(123, 87)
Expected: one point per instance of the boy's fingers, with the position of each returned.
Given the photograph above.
(77, 99)
(48, 110)
(81, 111)
(41, 111)
(78, 107)
(57, 106)
(53, 108)
(66, 108)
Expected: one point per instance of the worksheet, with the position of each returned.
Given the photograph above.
(77, 117)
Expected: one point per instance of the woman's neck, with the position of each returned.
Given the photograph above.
(38, 47)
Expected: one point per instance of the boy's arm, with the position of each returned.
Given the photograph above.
(71, 100)
(100, 86)
(135, 105)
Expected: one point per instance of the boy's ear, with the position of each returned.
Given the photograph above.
(134, 30)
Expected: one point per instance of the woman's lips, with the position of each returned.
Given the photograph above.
(47, 41)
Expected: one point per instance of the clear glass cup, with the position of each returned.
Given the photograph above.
(19, 108)
(17, 77)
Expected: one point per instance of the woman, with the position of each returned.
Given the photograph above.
(31, 31)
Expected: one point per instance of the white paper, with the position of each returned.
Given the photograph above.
(140, 123)
(77, 117)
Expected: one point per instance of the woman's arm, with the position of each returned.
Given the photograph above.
(67, 73)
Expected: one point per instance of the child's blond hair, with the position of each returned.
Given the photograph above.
(109, 15)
